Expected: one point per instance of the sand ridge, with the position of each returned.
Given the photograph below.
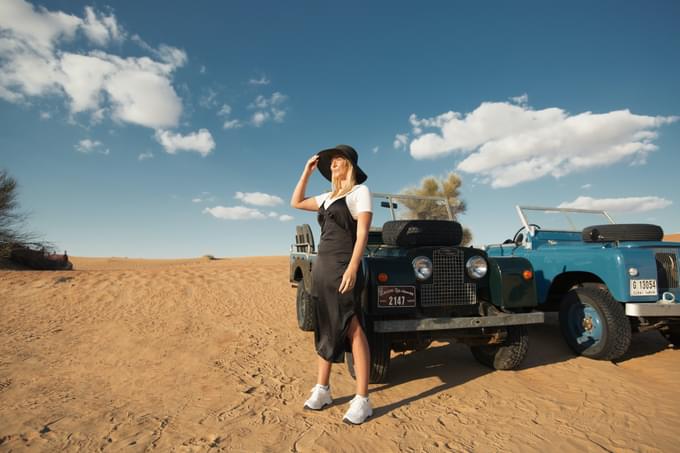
(205, 355)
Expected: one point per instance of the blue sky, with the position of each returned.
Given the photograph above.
(168, 129)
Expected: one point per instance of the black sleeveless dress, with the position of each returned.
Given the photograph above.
(334, 310)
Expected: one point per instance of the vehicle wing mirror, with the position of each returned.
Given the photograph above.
(519, 239)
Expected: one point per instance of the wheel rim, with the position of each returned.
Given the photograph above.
(585, 325)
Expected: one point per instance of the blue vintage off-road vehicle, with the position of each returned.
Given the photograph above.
(422, 285)
(607, 280)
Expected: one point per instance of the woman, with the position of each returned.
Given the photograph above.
(344, 215)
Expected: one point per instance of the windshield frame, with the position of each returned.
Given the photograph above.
(391, 196)
(524, 218)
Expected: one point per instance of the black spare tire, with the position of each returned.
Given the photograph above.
(411, 233)
(622, 232)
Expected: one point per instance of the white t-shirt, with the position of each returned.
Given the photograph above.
(358, 200)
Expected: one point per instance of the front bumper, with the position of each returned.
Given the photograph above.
(658, 309)
(424, 324)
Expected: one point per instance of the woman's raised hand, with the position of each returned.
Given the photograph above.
(312, 163)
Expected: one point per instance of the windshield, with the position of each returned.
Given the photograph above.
(563, 219)
(408, 207)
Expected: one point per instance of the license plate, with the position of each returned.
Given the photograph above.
(643, 287)
(396, 296)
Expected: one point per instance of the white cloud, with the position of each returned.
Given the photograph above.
(261, 81)
(172, 56)
(258, 198)
(84, 78)
(205, 197)
(629, 204)
(520, 100)
(209, 99)
(169, 55)
(262, 102)
(98, 116)
(506, 144)
(273, 214)
(259, 118)
(136, 90)
(586, 186)
(45, 115)
(28, 28)
(286, 218)
(235, 213)
(225, 110)
(400, 141)
(145, 156)
(141, 93)
(271, 108)
(201, 141)
(376, 149)
(232, 124)
(278, 115)
(87, 145)
(101, 29)
(202, 70)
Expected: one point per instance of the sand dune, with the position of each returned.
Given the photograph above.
(199, 355)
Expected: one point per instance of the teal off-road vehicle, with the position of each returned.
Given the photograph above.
(422, 285)
(606, 280)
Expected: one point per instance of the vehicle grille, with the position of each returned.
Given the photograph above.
(667, 270)
(448, 286)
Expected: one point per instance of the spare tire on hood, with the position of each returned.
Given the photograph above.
(622, 232)
(413, 233)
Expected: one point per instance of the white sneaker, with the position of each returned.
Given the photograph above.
(321, 396)
(359, 410)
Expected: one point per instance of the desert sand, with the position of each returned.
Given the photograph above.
(201, 355)
(672, 237)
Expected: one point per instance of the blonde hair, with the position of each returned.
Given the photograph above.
(341, 187)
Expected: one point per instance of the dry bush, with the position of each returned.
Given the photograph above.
(13, 230)
(427, 209)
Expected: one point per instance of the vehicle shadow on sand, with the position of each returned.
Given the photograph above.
(454, 365)
(643, 344)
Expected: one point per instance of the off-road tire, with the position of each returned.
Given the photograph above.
(379, 347)
(616, 332)
(413, 233)
(305, 308)
(507, 355)
(622, 232)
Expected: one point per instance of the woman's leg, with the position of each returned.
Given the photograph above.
(324, 371)
(361, 355)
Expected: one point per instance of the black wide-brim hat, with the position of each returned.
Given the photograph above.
(325, 157)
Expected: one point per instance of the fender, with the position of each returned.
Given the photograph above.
(509, 288)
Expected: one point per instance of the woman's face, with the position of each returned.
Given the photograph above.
(339, 167)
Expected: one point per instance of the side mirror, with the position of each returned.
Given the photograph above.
(519, 239)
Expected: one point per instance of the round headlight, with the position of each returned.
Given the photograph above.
(476, 267)
(422, 266)
(633, 272)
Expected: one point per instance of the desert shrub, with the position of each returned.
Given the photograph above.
(13, 229)
(434, 187)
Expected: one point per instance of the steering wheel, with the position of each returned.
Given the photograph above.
(514, 238)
